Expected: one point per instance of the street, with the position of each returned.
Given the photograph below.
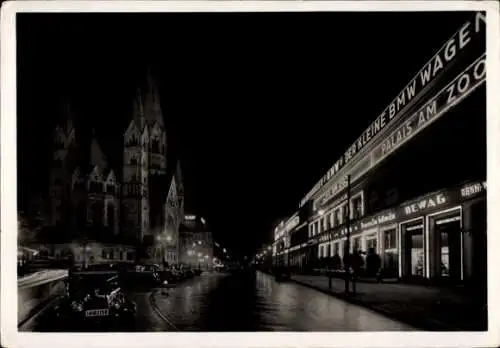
(244, 302)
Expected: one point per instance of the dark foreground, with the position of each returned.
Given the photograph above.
(240, 302)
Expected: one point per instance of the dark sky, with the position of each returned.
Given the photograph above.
(258, 106)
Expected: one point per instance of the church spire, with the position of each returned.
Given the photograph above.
(67, 116)
(152, 108)
(138, 115)
(97, 157)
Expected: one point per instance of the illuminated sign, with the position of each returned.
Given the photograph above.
(420, 83)
(425, 203)
(293, 223)
(190, 217)
(464, 84)
(472, 189)
(380, 219)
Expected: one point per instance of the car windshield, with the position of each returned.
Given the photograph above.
(90, 282)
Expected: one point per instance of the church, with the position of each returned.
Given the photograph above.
(108, 213)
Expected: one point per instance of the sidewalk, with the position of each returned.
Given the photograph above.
(424, 307)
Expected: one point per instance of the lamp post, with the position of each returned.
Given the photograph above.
(348, 235)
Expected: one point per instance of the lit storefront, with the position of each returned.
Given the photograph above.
(393, 202)
(432, 236)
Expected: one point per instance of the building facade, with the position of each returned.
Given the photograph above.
(407, 188)
(139, 202)
(196, 242)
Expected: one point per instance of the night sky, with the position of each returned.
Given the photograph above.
(258, 106)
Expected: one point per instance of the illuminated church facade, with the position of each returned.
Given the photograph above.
(138, 203)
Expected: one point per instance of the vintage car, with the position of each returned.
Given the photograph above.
(95, 298)
(145, 275)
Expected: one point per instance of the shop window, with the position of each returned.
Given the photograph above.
(390, 239)
(356, 244)
(413, 250)
(336, 218)
(345, 215)
(335, 250)
(371, 243)
(357, 207)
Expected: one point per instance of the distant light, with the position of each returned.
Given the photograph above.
(269, 248)
(169, 238)
(224, 250)
(200, 254)
(203, 220)
(206, 256)
(199, 242)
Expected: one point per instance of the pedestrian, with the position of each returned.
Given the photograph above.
(373, 265)
(357, 264)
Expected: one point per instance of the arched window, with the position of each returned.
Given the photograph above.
(155, 147)
(81, 214)
(111, 217)
(133, 141)
(96, 214)
(95, 186)
(58, 163)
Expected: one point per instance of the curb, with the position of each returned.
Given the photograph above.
(24, 325)
(425, 324)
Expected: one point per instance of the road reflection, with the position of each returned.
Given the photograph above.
(222, 302)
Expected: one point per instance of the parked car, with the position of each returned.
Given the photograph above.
(95, 298)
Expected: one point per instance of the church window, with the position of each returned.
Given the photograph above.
(95, 186)
(155, 146)
(111, 216)
(58, 163)
(133, 141)
(110, 189)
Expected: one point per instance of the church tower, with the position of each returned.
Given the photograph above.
(63, 158)
(154, 121)
(135, 185)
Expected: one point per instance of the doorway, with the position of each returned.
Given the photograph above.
(413, 250)
(448, 249)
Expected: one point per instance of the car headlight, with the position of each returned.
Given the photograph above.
(77, 306)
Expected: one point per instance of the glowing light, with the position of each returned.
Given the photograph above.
(199, 242)
(200, 254)
(169, 238)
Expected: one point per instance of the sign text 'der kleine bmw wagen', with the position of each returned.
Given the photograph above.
(451, 49)
(449, 96)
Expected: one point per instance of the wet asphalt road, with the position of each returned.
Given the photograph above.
(245, 302)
